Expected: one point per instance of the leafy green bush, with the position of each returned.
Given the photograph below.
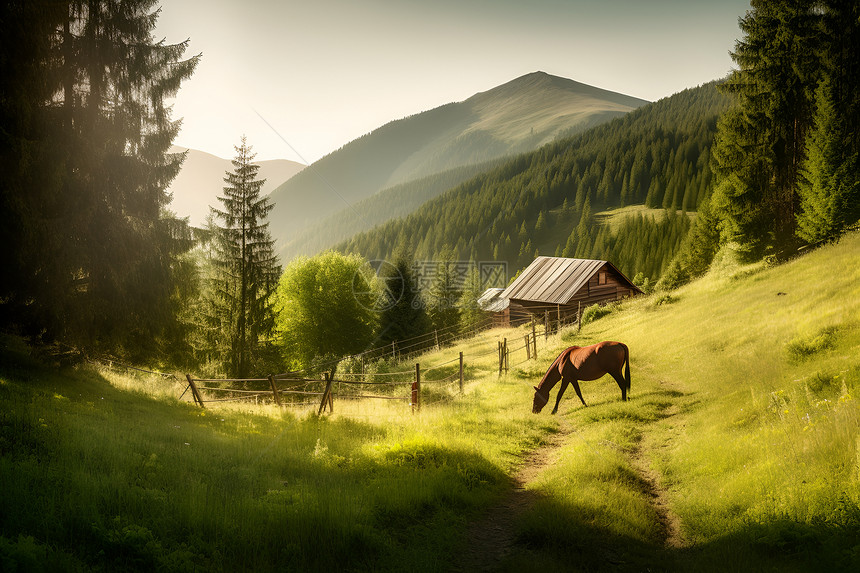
(596, 311)
(802, 347)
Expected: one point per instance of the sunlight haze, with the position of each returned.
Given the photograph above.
(323, 73)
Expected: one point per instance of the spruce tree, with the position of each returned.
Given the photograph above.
(760, 143)
(95, 267)
(829, 179)
(248, 268)
(840, 62)
(403, 315)
(441, 298)
(471, 315)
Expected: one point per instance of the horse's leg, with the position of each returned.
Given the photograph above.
(578, 392)
(621, 384)
(561, 390)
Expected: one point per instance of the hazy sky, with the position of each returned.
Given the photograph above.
(321, 73)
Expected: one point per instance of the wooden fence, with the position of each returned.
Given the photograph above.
(292, 384)
(283, 389)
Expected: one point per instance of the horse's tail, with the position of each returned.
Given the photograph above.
(627, 367)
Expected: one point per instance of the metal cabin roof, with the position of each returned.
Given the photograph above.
(553, 280)
(491, 300)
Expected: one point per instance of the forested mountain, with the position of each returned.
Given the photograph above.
(390, 203)
(201, 180)
(544, 201)
(518, 116)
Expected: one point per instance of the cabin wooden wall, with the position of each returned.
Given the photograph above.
(591, 293)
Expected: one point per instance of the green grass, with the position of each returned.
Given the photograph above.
(743, 408)
(744, 402)
(615, 217)
(103, 471)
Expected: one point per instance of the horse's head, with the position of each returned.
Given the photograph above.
(541, 398)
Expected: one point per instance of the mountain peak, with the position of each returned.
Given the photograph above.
(517, 116)
(541, 82)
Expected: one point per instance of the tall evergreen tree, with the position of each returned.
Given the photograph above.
(90, 146)
(403, 314)
(829, 179)
(442, 296)
(471, 315)
(840, 61)
(760, 143)
(248, 268)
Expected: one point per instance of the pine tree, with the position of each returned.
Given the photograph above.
(471, 315)
(828, 179)
(248, 269)
(760, 144)
(96, 264)
(403, 314)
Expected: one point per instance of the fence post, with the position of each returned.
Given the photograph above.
(461, 373)
(546, 324)
(528, 348)
(326, 393)
(579, 316)
(330, 394)
(501, 361)
(418, 385)
(534, 339)
(275, 390)
(505, 353)
(195, 393)
(436, 334)
(558, 316)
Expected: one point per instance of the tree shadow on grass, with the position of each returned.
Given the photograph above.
(120, 480)
(563, 540)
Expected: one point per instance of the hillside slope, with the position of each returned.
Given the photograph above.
(201, 180)
(739, 448)
(742, 429)
(657, 155)
(520, 115)
(390, 203)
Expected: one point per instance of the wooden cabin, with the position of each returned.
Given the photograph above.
(503, 311)
(563, 286)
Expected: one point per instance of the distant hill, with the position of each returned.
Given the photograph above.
(546, 201)
(390, 203)
(202, 179)
(518, 116)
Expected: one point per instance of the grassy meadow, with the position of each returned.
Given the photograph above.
(744, 407)
(737, 451)
(108, 471)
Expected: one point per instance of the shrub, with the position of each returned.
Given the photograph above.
(802, 347)
(596, 311)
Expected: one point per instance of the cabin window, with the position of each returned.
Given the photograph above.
(601, 278)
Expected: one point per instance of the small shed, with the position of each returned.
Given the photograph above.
(502, 310)
(563, 286)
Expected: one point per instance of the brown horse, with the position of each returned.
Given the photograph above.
(584, 363)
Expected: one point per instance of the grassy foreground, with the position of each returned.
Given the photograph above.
(102, 471)
(744, 412)
(737, 451)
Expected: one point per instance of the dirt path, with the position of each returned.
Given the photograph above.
(491, 538)
(668, 520)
